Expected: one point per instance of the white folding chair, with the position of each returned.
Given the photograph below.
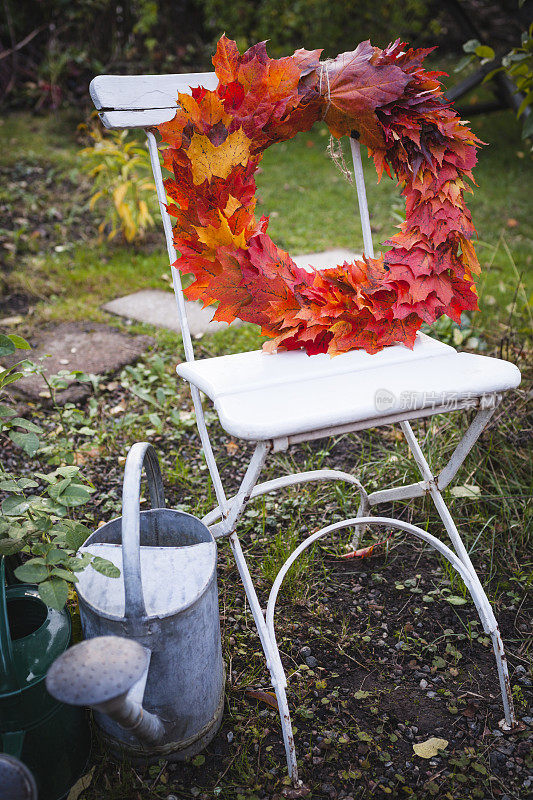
(282, 399)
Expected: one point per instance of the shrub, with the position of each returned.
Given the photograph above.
(123, 185)
(517, 64)
(334, 26)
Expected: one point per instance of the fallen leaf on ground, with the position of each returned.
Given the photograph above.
(11, 320)
(470, 710)
(81, 784)
(118, 409)
(82, 456)
(265, 697)
(430, 748)
(468, 490)
(293, 794)
(361, 553)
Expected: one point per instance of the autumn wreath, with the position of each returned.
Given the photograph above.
(214, 145)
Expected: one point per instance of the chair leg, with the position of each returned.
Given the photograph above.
(490, 623)
(499, 652)
(288, 737)
(360, 530)
(479, 597)
(505, 683)
(273, 661)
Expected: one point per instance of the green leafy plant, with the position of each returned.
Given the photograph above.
(123, 185)
(517, 64)
(22, 432)
(37, 511)
(35, 522)
(446, 330)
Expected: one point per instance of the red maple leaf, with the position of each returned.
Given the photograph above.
(353, 87)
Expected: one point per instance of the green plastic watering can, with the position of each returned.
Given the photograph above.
(50, 738)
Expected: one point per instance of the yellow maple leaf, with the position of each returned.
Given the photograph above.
(430, 747)
(232, 205)
(220, 237)
(208, 160)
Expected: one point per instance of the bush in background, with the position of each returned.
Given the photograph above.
(336, 27)
(50, 49)
(122, 182)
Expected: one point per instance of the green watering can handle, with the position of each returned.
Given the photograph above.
(7, 662)
(12, 741)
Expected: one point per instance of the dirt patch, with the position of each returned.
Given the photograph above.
(15, 304)
(88, 347)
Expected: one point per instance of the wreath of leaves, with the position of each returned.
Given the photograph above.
(214, 145)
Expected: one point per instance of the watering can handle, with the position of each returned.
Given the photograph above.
(140, 455)
(7, 661)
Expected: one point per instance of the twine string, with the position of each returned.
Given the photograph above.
(334, 148)
(324, 71)
(334, 151)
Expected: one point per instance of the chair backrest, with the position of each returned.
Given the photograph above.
(143, 101)
(140, 101)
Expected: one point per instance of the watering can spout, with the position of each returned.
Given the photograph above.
(108, 674)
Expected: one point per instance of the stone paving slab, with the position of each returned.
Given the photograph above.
(328, 258)
(157, 307)
(89, 347)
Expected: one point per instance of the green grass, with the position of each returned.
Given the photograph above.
(84, 279)
(50, 137)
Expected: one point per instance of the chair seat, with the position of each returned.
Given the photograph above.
(261, 396)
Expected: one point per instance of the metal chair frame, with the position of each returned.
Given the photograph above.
(223, 519)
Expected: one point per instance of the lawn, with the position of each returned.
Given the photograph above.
(381, 652)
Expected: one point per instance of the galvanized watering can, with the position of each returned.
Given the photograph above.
(37, 734)
(154, 673)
